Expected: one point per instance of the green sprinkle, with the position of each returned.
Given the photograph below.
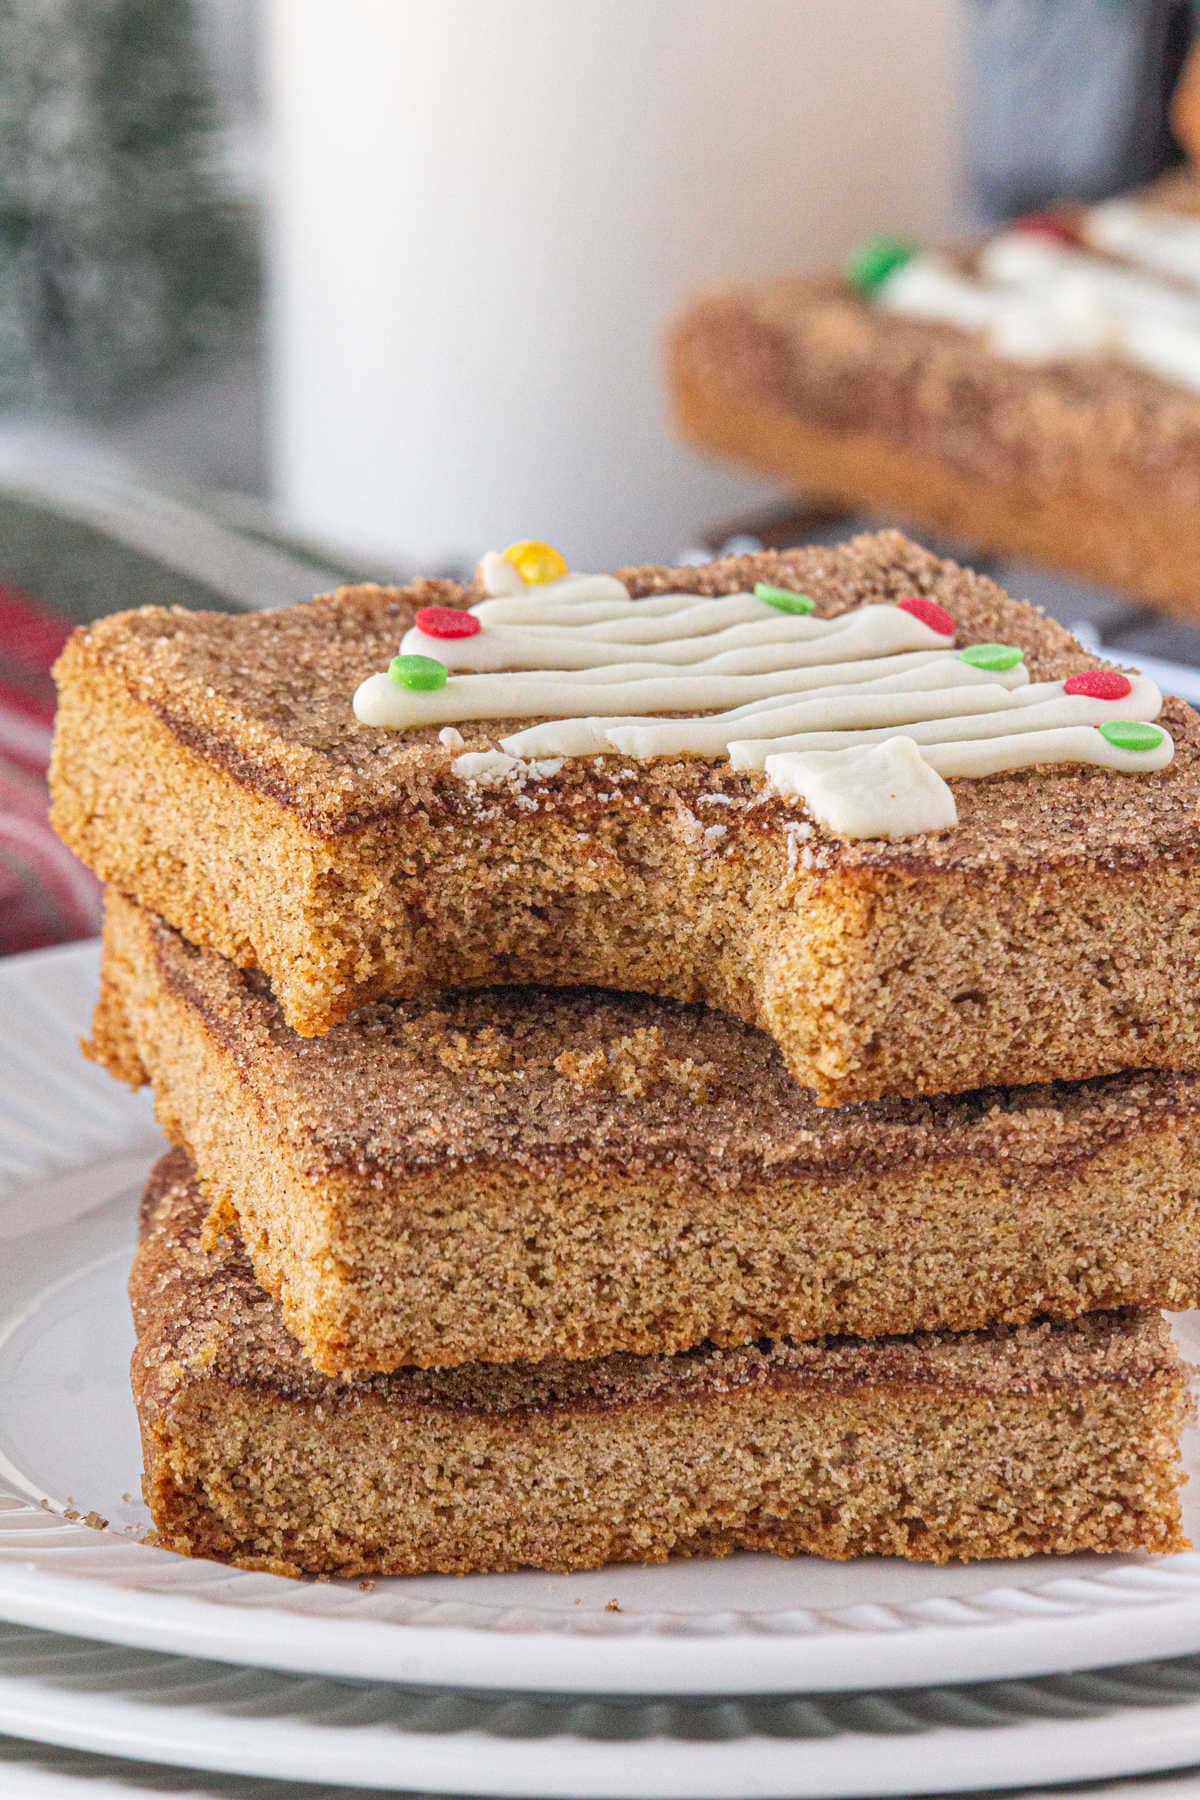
(424, 673)
(993, 657)
(783, 599)
(871, 264)
(1131, 734)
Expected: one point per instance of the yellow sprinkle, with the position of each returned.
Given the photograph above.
(535, 562)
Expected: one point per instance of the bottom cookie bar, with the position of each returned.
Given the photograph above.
(1048, 1437)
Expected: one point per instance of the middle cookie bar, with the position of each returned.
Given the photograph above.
(516, 1174)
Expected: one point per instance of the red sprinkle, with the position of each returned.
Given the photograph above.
(929, 613)
(1099, 684)
(447, 622)
(1051, 224)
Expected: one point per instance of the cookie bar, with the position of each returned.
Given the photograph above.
(1038, 394)
(1049, 1437)
(899, 879)
(536, 1174)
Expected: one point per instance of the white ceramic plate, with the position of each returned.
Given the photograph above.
(253, 1722)
(75, 1147)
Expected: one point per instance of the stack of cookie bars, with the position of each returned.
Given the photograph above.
(673, 1062)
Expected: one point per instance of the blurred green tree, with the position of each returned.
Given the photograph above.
(121, 254)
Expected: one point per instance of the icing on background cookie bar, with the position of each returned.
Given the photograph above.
(1118, 280)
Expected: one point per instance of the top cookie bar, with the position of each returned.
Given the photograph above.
(1046, 926)
(1038, 392)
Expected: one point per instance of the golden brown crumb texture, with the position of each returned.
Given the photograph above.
(1004, 1442)
(535, 1173)
(211, 767)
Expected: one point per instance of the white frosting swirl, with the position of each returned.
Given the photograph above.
(1040, 707)
(921, 672)
(678, 677)
(897, 789)
(772, 642)
(1148, 237)
(1038, 300)
(887, 791)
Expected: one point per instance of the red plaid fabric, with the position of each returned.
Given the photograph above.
(46, 896)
